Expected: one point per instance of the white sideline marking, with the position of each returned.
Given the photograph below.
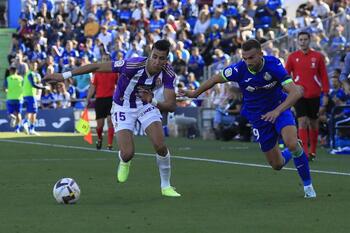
(152, 155)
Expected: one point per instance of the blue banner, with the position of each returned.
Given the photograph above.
(51, 120)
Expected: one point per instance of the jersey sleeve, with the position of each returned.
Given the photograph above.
(118, 65)
(231, 73)
(169, 77)
(280, 72)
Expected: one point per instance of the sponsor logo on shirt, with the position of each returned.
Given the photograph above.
(266, 87)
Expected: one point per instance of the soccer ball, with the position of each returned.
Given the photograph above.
(66, 191)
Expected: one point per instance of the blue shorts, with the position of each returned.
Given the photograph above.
(267, 133)
(31, 104)
(14, 106)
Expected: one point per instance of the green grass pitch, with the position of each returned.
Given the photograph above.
(227, 191)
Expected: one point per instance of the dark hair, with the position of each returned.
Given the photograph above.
(251, 44)
(162, 45)
(304, 33)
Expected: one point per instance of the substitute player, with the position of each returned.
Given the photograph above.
(133, 101)
(13, 86)
(262, 80)
(103, 86)
(31, 84)
(308, 70)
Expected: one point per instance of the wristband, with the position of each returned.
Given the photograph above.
(67, 74)
(154, 102)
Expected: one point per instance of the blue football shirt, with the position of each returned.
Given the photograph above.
(262, 91)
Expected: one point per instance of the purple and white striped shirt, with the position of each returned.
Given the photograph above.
(133, 74)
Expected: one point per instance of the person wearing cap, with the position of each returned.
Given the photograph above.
(13, 86)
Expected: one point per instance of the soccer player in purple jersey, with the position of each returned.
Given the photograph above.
(265, 83)
(133, 101)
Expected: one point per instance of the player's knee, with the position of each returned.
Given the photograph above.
(292, 145)
(161, 149)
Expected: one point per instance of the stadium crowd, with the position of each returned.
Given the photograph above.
(206, 35)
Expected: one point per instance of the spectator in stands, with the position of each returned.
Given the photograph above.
(202, 23)
(82, 83)
(22, 67)
(345, 74)
(103, 86)
(196, 63)
(308, 70)
(246, 26)
(61, 96)
(47, 99)
(219, 19)
(320, 9)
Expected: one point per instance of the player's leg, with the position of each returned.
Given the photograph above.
(124, 121)
(289, 134)
(100, 119)
(314, 106)
(110, 133)
(108, 108)
(32, 109)
(25, 122)
(155, 133)
(99, 132)
(303, 123)
(125, 140)
(151, 122)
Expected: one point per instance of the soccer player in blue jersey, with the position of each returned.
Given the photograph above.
(268, 93)
(133, 101)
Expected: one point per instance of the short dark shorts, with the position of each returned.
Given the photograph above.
(103, 107)
(308, 107)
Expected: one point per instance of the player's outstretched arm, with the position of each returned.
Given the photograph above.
(96, 67)
(203, 87)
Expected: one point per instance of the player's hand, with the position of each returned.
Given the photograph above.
(271, 116)
(145, 95)
(47, 88)
(186, 93)
(53, 78)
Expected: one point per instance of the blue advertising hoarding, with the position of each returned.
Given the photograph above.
(51, 120)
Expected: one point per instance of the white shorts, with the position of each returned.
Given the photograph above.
(125, 118)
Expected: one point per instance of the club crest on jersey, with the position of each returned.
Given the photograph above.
(228, 72)
(267, 76)
(119, 63)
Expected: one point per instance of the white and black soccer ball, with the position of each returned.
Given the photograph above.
(66, 191)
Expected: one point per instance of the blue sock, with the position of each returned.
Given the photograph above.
(302, 165)
(286, 155)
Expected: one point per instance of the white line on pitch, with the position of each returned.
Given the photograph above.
(152, 155)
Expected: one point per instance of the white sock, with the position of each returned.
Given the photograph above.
(164, 170)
